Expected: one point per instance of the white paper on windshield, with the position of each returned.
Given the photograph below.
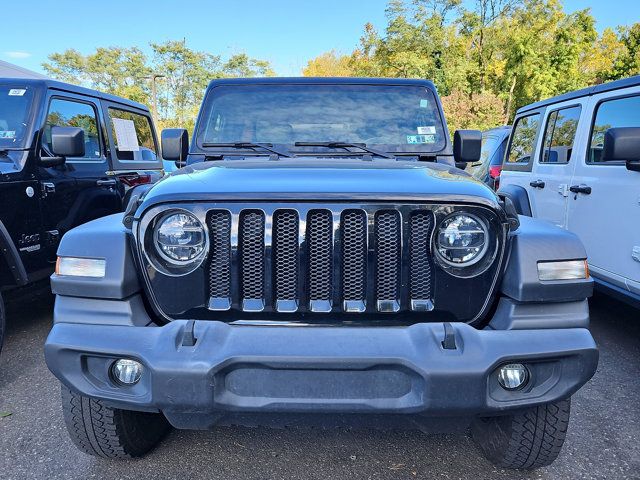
(428, 130)
(17, 92)
(126, 136)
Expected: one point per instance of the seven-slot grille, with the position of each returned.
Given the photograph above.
(320, 260)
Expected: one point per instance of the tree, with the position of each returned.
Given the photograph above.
(329, 64)
(116, 70)
(472, 111)
(128, 72)
(484, 53)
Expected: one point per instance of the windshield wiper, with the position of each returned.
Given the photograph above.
(346, 146)
(265, 146)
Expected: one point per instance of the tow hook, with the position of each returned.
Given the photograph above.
(188, 337)
(449, 342)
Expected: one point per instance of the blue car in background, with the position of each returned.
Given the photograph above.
(494, 144)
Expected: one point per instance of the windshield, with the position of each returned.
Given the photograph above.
(397, 119)
(15, 107)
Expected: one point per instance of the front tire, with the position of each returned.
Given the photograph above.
(108, 432)
(527, 440)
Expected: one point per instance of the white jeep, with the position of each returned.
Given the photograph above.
(575, 160)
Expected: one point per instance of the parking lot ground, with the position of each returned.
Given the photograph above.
(603, 441)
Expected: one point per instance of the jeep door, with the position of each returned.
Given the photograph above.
(20, 222)
(134, 153)
(78, 190)
(554, 162)
(605, 208)
(519, 160)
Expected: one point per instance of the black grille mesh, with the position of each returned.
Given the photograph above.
(285, 244)
(420, 227)
(319, 242)
(220, 256)
(252, 254)
(328, 262)
(388, 237)
(354, 255)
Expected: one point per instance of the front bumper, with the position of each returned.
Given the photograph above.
(267, 369)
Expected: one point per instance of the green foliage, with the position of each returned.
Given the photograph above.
(182, 75)
(489, 57)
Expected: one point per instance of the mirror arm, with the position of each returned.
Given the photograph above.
(633, 165)
(48, 162)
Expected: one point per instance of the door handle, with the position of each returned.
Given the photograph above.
(537, 184)
(580, 189)
(106, 183)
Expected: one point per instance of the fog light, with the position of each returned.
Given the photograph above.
(127, 372)
(513, 376)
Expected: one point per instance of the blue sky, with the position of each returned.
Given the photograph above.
(285, 32)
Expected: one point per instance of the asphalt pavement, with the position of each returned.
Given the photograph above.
(603, 439)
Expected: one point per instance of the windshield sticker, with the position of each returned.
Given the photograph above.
(430, 130)
(17, 92)
(424, 103)
(416, 139)
(7, 134)
(126, 136)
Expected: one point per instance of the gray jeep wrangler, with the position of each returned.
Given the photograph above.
(319, 256)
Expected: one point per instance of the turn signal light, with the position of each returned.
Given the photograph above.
(81, 267)
(563, 270)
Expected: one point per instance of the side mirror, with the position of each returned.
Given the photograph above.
(175, 145)
(622, 145)
(467, 145)
(65, 142)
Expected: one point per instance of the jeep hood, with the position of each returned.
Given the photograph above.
(305, 178)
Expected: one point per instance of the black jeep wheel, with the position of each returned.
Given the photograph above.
(527, 440)
(2, 323)
(109, 432)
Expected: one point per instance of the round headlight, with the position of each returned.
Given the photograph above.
(180, 238)
(462, 239)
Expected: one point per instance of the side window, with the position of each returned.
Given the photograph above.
(133, 136)
(69, 113)
(559, 135)
(621, 112)
(523, 140)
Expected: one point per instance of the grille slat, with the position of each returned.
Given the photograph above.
(252, 257)
(354, 260)
(320, 260)
(286, 259)
(220, 260)
(420, 228)
(388, 260)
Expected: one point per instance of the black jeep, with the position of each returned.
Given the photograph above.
(321, 257)
(61, 165)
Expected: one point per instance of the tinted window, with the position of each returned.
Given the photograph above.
(490, 144)
(68, 113)
(621, 112)
(523, 139)
(559, 135)
(498, 157)
(132, 135)
(15, 107)
(392, 118)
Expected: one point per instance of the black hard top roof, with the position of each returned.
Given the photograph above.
(604, 87)
(321, 81)
(67, 87)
